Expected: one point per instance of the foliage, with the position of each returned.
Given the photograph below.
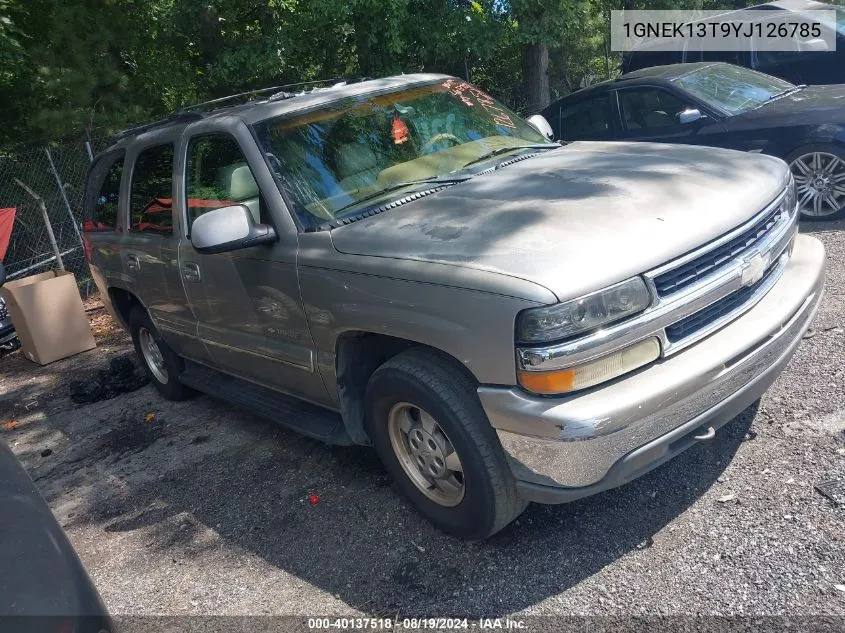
(68, 66)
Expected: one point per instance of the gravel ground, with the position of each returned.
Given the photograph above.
(202, 509)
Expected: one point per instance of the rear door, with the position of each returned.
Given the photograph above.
(247, 302)
(150, 244)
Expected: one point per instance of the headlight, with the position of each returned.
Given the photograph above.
(593, 373)
(539, 325)
(790, 200)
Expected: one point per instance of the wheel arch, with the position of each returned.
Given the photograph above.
(122, 302)
(807, 145)
(358, 354)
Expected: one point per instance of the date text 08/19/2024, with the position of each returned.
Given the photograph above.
(431, 624)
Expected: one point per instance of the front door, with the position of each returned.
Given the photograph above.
(651, 114)
(247, 302)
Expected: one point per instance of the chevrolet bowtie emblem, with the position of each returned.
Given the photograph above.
(753, 269)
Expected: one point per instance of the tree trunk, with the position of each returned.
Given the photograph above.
(535, 69)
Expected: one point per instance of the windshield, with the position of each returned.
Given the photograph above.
(840, 19)
(348, 152)
(732, 88)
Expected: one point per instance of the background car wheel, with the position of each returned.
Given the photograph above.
(431, 433)
(161, 363)
(819, 172)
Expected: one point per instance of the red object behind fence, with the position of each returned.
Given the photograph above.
(7, 221)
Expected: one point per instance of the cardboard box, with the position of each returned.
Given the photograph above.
(48, 315)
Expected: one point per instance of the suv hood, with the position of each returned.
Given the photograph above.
(577, 218)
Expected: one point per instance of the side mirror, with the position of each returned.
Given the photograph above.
(690, 115)
(2, 274)
(539, 122)
(229, 229)
(813, 46)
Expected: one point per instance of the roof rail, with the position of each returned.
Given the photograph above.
(245, 96)
(195, 111)
(176, 117)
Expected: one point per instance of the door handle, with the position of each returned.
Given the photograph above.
(191, 272)
(132, 262)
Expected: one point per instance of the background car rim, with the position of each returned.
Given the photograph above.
(426, 454)
(152, 355)
(819, 183)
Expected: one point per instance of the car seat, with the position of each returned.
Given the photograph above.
(238, 185)
(356, 165)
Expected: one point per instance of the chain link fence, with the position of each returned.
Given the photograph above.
(57, 174)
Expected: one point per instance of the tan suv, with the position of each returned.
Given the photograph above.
(407, 264)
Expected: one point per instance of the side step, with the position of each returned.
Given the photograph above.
(302, 417)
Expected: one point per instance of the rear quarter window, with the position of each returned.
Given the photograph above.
(102, 194)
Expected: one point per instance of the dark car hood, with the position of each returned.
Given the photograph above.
(577, 218)
(40, 573)
(817, 102)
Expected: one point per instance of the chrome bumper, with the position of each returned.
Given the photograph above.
(565, 448)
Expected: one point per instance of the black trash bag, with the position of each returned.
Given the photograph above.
(123, 375)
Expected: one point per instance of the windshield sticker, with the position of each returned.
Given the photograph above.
(466, 92)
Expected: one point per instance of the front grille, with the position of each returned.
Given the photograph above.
(687, 274)
(701, 319)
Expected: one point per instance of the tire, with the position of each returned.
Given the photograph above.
(427, 380)
(807, 172)
(165, 377)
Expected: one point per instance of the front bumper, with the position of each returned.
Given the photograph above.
(562, 449)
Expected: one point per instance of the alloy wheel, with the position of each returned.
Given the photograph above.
(819, 183)
(426, 454)
(152, 355)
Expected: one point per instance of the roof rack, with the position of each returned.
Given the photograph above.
(281, 91)
(196, 111)
(176, 117)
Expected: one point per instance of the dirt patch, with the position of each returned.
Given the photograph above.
(122, 375)
(129, 436)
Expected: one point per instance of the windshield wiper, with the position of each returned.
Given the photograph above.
(783, 93)
(505, 150)
(434, 180)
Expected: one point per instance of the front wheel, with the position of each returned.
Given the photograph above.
(431, 433)
(819, 172)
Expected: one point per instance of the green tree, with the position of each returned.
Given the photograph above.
(65, 66)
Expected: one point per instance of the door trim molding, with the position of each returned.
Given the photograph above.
(309, 367)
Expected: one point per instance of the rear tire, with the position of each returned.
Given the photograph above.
(447, 460)
(819, 172)
(161, 363)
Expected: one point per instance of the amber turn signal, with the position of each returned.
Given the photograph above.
(559, 381)
(592, 373)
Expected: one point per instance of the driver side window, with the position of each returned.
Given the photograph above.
(218, 175)
(650, 109)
